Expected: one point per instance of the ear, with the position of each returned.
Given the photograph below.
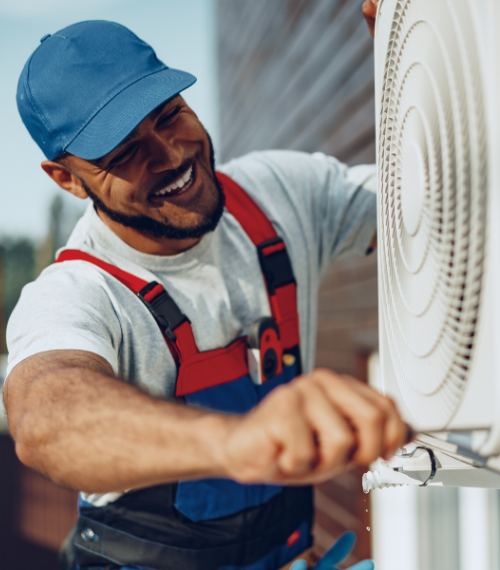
(64, 178)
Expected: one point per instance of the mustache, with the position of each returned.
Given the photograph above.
(172, 176)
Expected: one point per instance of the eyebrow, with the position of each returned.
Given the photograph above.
(135, 133)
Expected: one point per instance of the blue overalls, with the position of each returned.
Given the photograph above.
(210, 524)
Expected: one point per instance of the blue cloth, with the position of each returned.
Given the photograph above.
(337, 554)
(277, 558)
(207, 499)
(87, 87)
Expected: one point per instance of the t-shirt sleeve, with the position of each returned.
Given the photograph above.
(330, 204)
(69, 307)
(343, 207)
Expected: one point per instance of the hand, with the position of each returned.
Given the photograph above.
(337, 553)
(310, 429)
(370, 14)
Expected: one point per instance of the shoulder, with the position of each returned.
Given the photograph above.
(68, 290)
(286, 168)
(71, 305)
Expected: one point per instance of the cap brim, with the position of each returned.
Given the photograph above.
(118, 118)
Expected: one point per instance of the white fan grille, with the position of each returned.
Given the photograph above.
(433, 157)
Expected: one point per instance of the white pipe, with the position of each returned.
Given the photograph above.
(475, 544)
(394, 528)
(383, 477)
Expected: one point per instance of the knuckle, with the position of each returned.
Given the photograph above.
(343, 440)
(391, 403)
(367, 456)
(374, 417)
(301, 461)
(389, 406)
(323, 376)
(287, 397)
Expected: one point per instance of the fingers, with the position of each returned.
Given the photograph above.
(308, 430)
(333, 435)
(370, 14)
(373, 418)
(366, 419)
(291, 432)
(295, 436)
(396, 432)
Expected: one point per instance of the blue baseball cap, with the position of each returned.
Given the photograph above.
(88, 86)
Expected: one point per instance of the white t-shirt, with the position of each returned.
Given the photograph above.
(321, 208)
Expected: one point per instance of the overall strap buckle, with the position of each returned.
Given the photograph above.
(275, 264)
(163, 308)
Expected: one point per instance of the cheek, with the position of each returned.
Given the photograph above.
(190, 128)
(120, 192)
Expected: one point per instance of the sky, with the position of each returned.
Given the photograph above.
(183, 34)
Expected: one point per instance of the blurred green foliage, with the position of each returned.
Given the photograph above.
(22, 260)
(17, 268)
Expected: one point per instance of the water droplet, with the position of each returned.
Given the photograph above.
(366, 510)
(368, 528)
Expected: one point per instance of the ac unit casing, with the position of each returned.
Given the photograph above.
(437, 92)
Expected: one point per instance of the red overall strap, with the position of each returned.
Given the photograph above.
(181, 344)
(135, 284)
(200, 370)
(274, 260)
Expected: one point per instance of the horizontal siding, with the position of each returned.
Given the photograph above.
(306, 65)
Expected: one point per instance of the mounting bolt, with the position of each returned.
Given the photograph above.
(88, 535)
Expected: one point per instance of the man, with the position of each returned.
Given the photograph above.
(156, 367)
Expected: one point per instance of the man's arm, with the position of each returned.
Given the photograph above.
(82, 427)
(75, 422)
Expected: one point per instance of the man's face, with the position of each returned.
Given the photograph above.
(159, 181)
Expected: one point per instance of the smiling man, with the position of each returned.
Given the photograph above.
(163, 366)
(168, 208)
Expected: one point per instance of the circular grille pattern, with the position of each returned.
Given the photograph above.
(432, 153)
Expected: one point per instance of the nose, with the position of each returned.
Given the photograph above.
(165, 153)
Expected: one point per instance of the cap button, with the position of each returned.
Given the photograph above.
(45, 37)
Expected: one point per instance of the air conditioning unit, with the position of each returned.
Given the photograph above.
(437, 67)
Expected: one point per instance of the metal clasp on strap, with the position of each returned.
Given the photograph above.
(275, 263)
(163, 308)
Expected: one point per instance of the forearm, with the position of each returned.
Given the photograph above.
(102, 435)
(72, 420)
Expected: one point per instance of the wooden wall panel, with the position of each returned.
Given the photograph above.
(298, 74)
(35, 514)
(46, 512)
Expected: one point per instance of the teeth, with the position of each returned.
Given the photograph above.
(180, 183)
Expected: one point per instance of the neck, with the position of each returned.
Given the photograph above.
(145, 242)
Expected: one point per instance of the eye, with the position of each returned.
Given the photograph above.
(167, 118)
(123, 156)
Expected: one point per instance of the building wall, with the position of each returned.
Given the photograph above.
(35, 514)
(298, 74)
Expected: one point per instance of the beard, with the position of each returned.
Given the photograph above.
(165, 229)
